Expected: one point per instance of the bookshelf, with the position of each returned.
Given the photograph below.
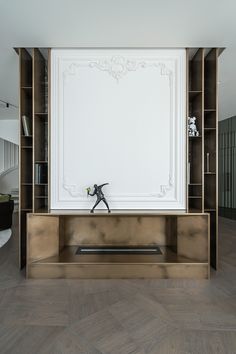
(211, 148)
(202, 102)
(26, 149)
(33, 137)
(40, 132)
(195, 105)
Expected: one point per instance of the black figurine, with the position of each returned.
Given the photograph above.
(100, 196)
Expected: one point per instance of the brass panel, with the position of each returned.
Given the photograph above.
(53, 240)
(192, 237)
(68, 255)
(42, 237)
(115, 230)
(118, 271)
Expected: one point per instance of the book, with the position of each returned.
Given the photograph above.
(41, 171)
(27, 125)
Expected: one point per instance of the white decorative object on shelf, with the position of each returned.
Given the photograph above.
(192, 127)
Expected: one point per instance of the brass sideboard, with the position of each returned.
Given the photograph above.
(53, 238)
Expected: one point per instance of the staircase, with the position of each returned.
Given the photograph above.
(9, 157)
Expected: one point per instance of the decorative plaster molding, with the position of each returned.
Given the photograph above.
(169, 194)
(117, 67)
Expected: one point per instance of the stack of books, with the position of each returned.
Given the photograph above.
(41, 173)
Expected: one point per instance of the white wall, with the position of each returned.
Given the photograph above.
(1, 155)
(118, 116)
(9, 130)
(227, 84)
(9, 181)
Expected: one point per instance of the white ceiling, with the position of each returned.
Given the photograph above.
(123, 23)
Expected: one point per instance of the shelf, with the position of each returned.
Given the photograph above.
(41, 184)
(209, 173)
(41, 210)
(30, 210)
(26, 184)
(193, 94)
(195, 184)
(26, 136)
(26, 147)
(195, 137)
(209, 128)
(41, 197)
(41, 162)
(68, 255)
(195, 210)
(206, 210)
(195, 197)
(41, 114)
(209, 110)
(26, 87)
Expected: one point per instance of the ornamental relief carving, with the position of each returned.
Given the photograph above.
(117, 67)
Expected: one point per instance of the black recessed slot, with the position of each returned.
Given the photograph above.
(118, 250)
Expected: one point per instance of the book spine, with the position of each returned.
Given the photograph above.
(24, 125)
(36, 173)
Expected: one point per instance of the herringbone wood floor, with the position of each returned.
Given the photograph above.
(119, 316)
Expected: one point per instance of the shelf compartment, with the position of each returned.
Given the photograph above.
(195, 191)
(195, 160)
(39, 73)
(195, 110)
(40, 173)
(26, 141)
(210, 87)
(195, 65)
(41, 191)
(25, 68)
(26, 162)
(26, 196)
(210, 148)
(41, 140)
(68, 255)
(40, 204)
(210, 192)
(195, 205)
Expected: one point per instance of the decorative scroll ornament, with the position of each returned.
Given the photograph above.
(117, 66)
(166, 188)
(72, 189)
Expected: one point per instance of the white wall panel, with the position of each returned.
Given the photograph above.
(118, 116)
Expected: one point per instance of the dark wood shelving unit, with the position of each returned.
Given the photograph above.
(202, 102)
(34, 105)
(25, 150)
(195, 108)
(211, 148)
(40, 131)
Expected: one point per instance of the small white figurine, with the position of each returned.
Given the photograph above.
(192, 128)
